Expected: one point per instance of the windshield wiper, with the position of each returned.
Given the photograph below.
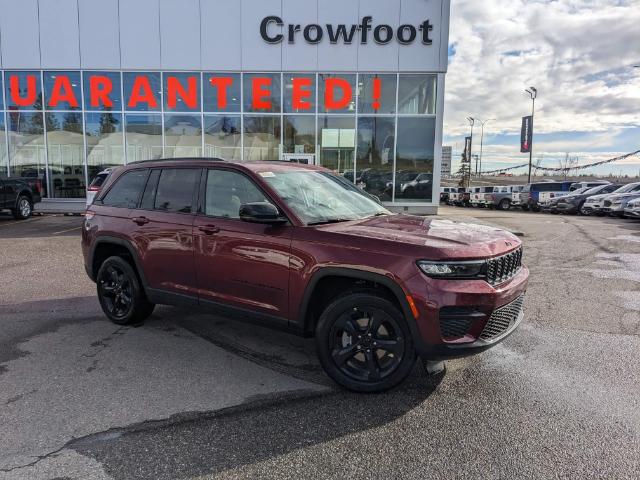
(332, 220)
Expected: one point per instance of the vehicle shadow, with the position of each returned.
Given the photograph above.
(262, 427)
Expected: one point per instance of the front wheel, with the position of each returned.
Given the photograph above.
(120, 294)
(364, 343)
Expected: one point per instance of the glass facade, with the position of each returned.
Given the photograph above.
(377, 130)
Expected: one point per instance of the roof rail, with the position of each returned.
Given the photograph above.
(212, 159)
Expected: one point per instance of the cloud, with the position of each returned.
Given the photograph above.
(577, 53)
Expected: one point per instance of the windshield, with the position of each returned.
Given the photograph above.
(629, 187)
(322, 197)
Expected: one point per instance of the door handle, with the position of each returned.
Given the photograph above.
(140, 220)
(208, 229)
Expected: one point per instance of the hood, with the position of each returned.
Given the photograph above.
(623, 196)
(437, 238)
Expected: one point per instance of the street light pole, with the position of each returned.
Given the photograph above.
(533, 93)
(482, 123)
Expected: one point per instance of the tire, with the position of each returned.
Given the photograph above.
(24, 208)
(120, 293)
(505, 204)
(349, 336)
(525, 207)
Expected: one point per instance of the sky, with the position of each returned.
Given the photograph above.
(579, 54)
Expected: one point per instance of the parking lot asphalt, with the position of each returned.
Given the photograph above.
(190, 395)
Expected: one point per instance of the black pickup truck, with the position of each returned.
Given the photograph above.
(19, 195)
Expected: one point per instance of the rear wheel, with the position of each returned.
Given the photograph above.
(364, 343)
(505, 204)
(24, 208)
(120, 294)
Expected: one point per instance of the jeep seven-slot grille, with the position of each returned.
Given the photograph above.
(501, 269)
(502, 319)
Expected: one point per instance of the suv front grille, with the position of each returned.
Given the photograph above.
(501, 269)
(607, 203)
(502, 319)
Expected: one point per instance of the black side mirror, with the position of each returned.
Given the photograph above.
(261, 212)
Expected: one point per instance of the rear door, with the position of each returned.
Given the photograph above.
(162, 229)
(245, 265)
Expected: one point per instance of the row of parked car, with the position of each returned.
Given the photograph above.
(586, 198)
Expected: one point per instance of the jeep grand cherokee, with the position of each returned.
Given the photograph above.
(302, 248)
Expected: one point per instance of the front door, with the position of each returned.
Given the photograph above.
(242, 264)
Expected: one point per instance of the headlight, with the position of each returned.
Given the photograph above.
(473, 269)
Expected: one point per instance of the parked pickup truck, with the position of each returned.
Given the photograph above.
(500, 197)
(480, 196)
(535, 194)
(19, 195)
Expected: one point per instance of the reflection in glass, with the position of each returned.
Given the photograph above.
(261, 137)
(222, 137)
(182, 136)
(65, 145)
(307, 92)
(299, 134)
(103, 134)
(29, 89)
(143, 136)
(102, 80)
(1, 96)
(147, 87)
(4, 161)
(338, 93)
(59, 86)
(184, 94)
(417, 94)
(387, 99)
(337, 141)
(273, 88)
(26, 145)
(375, 155)
(210, 93)
(414, 159)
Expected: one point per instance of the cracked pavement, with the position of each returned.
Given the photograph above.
(190, 395)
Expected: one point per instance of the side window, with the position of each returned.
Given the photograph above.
(149, 196)
(175, 189)
(226, 191)
(127, 190)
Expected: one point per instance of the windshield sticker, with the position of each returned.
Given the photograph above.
(267, 174)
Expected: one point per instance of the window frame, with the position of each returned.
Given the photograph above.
(104, 194)
(203, 193)
(194, 195)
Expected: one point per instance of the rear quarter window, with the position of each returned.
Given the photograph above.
(126, 190)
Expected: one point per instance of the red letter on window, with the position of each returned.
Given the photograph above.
(221, 84)
(300, 94)
(259, 93)
(99, 89)
(30, 98)
(141, 92)
(330, 102)
(175, 88)
(62, 92)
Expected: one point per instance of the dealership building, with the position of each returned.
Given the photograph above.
(356, 86)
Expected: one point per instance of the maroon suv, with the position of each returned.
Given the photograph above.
(302, 248)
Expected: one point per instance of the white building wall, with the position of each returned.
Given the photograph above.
(99, 41)
(59, 34)
(20, 32)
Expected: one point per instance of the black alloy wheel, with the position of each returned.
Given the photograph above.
(364, 343)
(121, 297)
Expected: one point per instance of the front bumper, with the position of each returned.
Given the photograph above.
(476, 301)
(632, 212)
(567, 207)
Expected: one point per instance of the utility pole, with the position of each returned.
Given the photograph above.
(533, 93)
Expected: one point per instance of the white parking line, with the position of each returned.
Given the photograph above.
(68, 230)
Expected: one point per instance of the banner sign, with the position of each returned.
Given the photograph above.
(467, 149)
(526, 134)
